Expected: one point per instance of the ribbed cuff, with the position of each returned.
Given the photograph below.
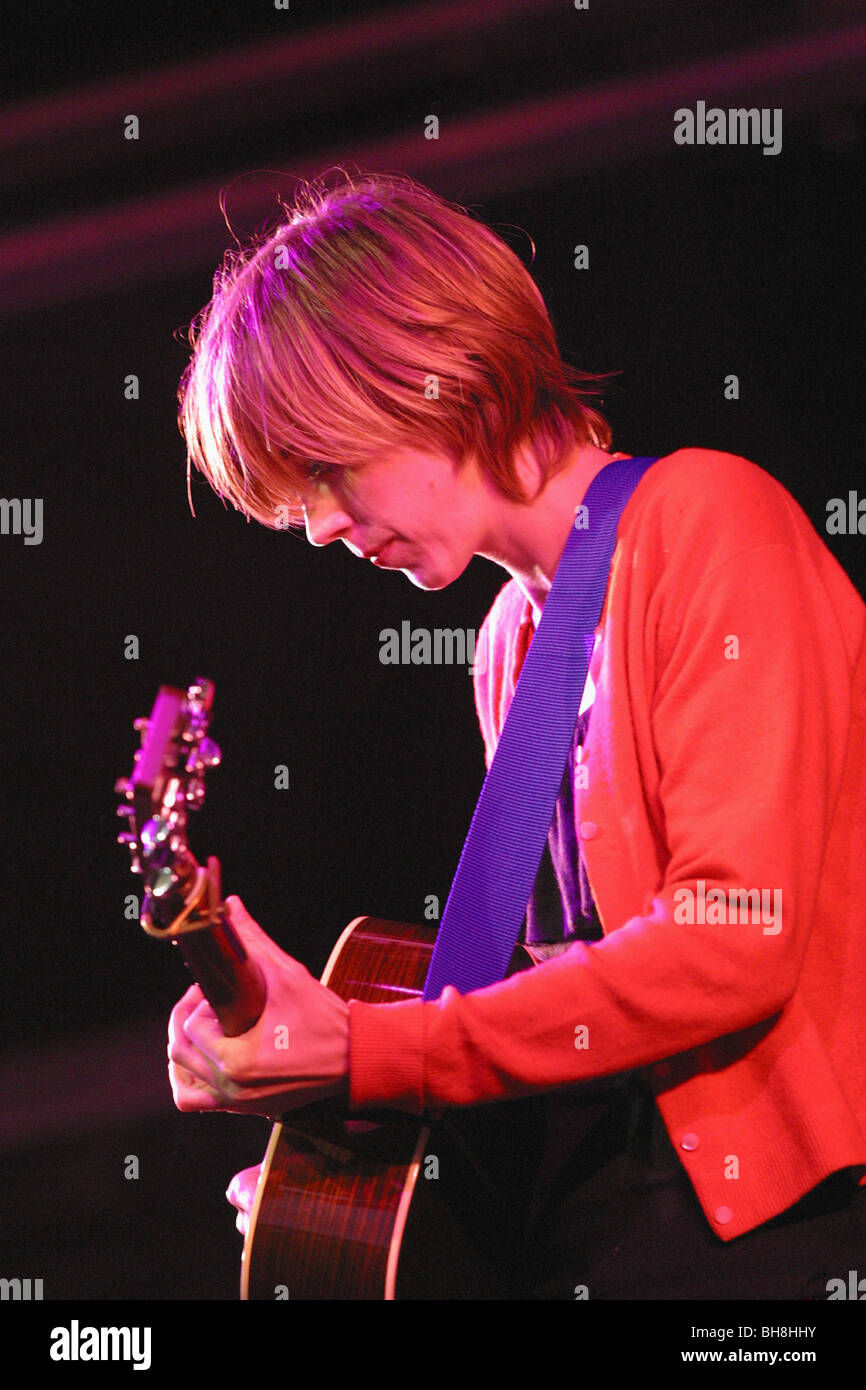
(386, 1055)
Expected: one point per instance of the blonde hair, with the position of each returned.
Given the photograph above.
(376, 315)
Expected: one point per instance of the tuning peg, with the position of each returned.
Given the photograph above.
(123, 787)
(210, 753)
(132, 843)
(126, 810)
(206, 755)
(195, 794)
(200, 690)
(155, 833)
(162, 882)
(130, 840)
(141, 723)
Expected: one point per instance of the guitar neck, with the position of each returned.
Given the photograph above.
(232, 983)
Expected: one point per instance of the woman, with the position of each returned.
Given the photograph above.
(382, 369)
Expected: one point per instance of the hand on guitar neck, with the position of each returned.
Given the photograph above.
(296, 1053)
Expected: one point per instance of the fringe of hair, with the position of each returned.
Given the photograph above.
(376, 315)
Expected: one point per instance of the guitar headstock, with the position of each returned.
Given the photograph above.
(167, 782)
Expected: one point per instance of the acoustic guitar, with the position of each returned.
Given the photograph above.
(383, 1206)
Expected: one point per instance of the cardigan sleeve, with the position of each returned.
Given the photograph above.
(746, 802)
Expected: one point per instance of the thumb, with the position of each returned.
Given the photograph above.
(238, 914)
(254, 937)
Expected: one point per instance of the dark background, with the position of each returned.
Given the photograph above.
(703, 262)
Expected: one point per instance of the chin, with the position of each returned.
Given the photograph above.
(425, 581)
(427, 576)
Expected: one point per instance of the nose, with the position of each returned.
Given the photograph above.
(325, 521)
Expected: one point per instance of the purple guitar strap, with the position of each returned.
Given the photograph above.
(503, 849)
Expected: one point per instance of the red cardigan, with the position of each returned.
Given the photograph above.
(727, 745)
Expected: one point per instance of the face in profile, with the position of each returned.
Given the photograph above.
(405, 510)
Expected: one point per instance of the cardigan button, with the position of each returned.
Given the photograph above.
(689, 1142)
(723, 1215)
(588, 829)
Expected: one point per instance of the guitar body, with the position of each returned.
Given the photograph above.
(389, 1206)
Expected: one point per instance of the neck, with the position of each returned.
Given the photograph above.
(528, 539)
